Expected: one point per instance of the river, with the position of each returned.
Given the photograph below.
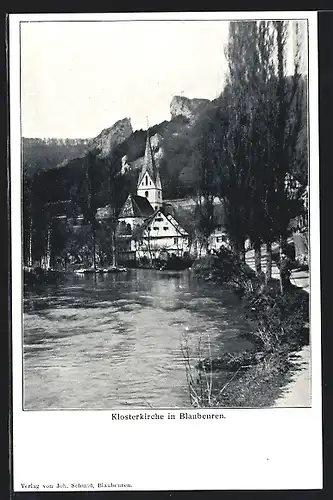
(114, 341)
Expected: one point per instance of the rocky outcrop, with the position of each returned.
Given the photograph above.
(156, 142)
(183, 107)
(111, 137)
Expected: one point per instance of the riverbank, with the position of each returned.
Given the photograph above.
(296, 392)
(280, 333)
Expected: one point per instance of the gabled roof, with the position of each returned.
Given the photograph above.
(149, 165)
(136, 206)
(140, 229)
(176, 224)
(103, 212)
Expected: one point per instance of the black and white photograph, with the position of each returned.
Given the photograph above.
(165, 214)
(165, 186)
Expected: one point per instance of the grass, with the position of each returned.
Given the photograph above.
(260, 386)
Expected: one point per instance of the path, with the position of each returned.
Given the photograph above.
(298, 278)
(297, 393)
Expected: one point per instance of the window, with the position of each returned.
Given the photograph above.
(175, 240)
(165, 228)
(159, 219)
(149, 183)
(156, 228)
(159, 194)
(146, 180)
(217, 239)
(146, 194)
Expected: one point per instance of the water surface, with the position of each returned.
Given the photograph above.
(114, 341)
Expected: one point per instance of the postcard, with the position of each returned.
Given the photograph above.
(165, 251)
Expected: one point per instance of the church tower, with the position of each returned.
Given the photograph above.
(149, 182)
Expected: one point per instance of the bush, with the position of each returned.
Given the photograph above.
(280, 319)
(225, 267)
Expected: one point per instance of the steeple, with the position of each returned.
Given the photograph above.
(148, 162)
(149, 182)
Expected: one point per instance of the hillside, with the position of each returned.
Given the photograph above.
(59, 162)
(44, 154)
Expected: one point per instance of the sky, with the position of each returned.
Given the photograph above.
(81, 77)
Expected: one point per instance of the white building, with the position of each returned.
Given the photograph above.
(160, 235)
(219, 238)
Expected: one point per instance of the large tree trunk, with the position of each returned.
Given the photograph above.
(206, 245)
(268, 274)
(280, 262)
(257, 258)
(241, 250)
(114, 249)
(48, 247)
(284, 276)
(94, 245)
(30, 243)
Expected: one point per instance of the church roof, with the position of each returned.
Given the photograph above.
(149, 164)
(137, 233)
(136, 206)
(176, 224)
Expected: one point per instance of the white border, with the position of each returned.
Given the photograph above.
(249, 449)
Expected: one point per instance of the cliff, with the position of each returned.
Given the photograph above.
(183, 107)
(112, 136)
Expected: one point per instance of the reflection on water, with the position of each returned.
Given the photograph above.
(114, 341)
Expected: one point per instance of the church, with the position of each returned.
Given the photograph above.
(146, 228)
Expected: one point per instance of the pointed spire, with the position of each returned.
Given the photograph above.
(149, 161)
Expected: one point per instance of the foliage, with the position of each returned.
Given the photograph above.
(226, 267)
(280, 319)
(44, 154)
(261, 129)
(81, 187)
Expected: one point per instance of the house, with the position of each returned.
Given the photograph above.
(158, 236)
(146, 228)
(219, 238)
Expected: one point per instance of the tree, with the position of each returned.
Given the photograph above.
(208, 158)
(92, 166)
(286, 127)
(27, 209)
(238, 105)
(260, 152)
(264, 115)
(117, 190)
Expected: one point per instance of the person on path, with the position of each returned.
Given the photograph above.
(285, 272)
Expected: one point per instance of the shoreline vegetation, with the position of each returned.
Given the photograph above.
(279, 327)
